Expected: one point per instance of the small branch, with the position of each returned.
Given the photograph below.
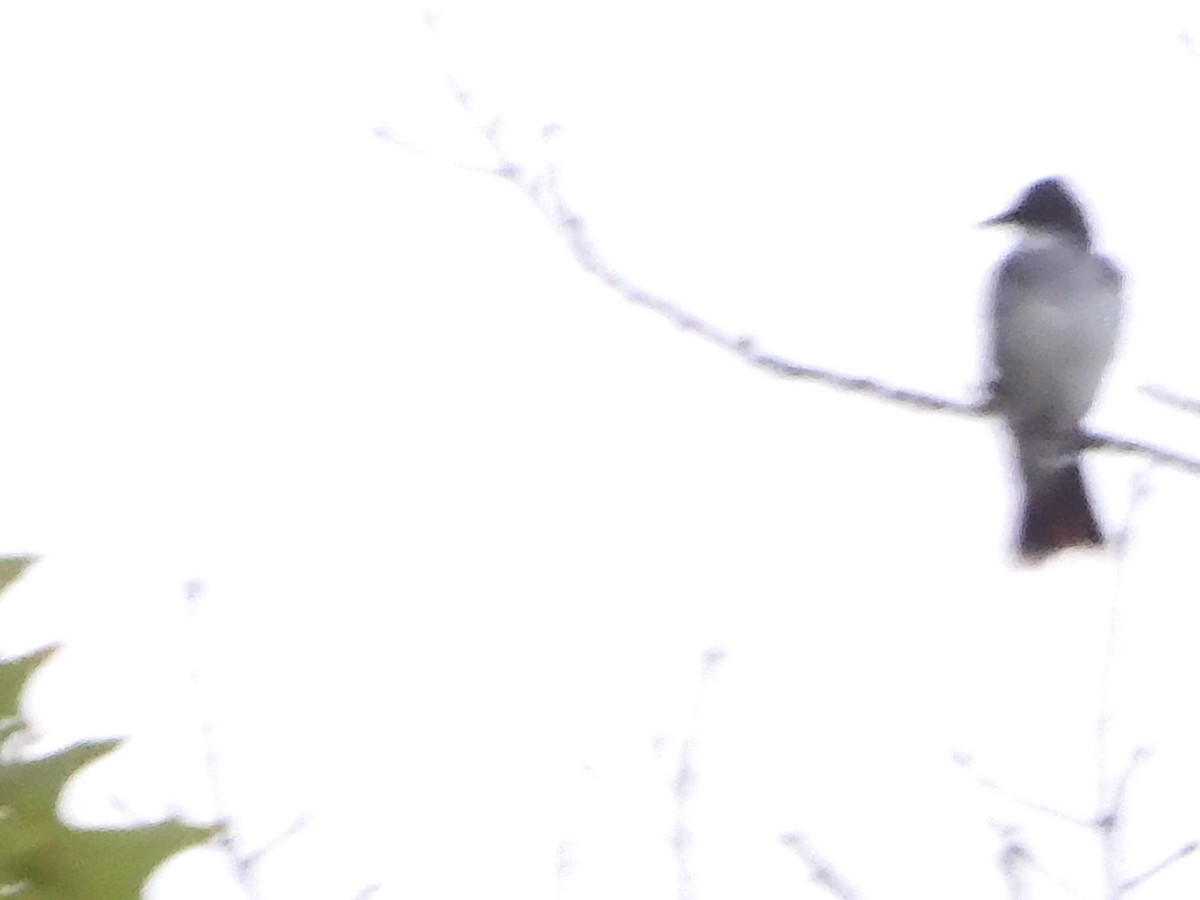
(1011, 858)
(681, 839)
(1139, 755)
(543, 190)
(1126, 446)
(965, 762)
(251, 859)
(1107, 825)
(1139, 492)
(1170, 398)
(819, 869)
(1182, 853)
(1014, 857)
(242, 862)
(685, 779)
(193, 592)
(385, 134)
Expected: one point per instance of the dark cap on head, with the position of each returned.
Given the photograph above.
(1047, 206)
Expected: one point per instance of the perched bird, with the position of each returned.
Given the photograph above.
(1056, 311)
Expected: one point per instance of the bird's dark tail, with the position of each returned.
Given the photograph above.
(1057, 516)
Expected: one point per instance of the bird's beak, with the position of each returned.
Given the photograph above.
(1005, 218)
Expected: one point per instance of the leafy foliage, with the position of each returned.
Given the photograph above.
(41, 857)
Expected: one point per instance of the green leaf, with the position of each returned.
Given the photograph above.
(13, 675)
(101, 864)
(52, 861)
(12, 567)
(32, 787)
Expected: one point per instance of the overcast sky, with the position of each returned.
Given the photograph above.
(463, 523)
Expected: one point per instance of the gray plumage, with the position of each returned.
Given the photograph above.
(1056, 311)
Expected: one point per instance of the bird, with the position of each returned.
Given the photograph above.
(1056, 309)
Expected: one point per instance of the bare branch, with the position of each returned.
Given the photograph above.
(1139, 755)
(1016, 858)
(1139, 492)
(242, 862)
(685, 779)
(1182, 853)
(1180, 402)
(193, 591)
(1110, 798)
(1107, 825)
(1011, 858)
(964, 761)
(681, 839)
(819, 868)
(542, 188)
(1127, 446)
(298, 825)
(385, 134)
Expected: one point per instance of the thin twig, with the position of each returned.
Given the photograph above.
(1139, 755)
(1059, 883)
(681, 839)
(242, 862)
(989, 784)
(684, 781)
(1140, 487)
(228, 840)
(299, 824)
(1183, 852)
(1180, 402)
(1110, 815)
(385, 134)
(1010, 861)
(1127, 446)
(819, 869)
(1016, 856)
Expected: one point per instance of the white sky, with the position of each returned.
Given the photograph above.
(467, 521)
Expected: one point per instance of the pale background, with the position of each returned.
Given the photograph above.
(467, 522)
